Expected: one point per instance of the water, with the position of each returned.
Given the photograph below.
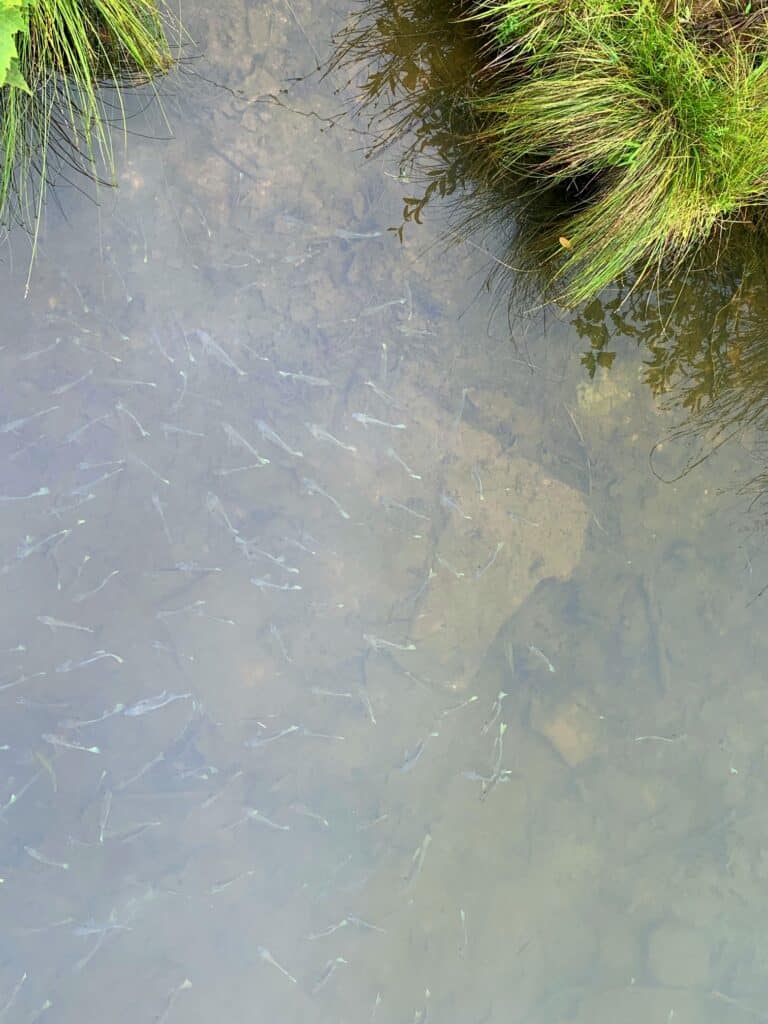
(457, 720)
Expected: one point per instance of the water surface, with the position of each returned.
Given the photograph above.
(356, 665)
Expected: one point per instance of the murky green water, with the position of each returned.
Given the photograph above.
(455, 713)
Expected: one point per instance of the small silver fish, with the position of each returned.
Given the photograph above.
(252, 814)
(417, 858)
(90, 593)
(236, 438)
(542, 657)
(60, 741)
(305, 378)
(63, 388)
(448, 502)
(321, 434)
(98, 928)
(213, 348)
(54, 624)
(261, 741)
(353, 236)
(382, 394)
(371, 421)
(42, 859)
(41, 492)
(378, 643)
(269, 434)
(69, 665)
(31, 547)
(313, 487)
(13, 425)
(267, 957)
(106, 807)
(495, 712)
(404, 465)
(251, 551)
(328, 972)
(171, 428)
(264, 583)
(143, 707)
(78, 723)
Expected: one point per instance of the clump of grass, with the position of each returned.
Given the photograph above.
(653, 116)
(73, 60)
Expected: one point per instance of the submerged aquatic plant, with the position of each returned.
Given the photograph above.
(64, 65)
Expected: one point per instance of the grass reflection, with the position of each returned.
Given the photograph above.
(700, 326)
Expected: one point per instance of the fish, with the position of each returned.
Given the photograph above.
(377, 643)
(30, 547)
(13, 425)
(42, 859)
(171, 428)
(448, 502)
(260, 741)
(371, 421)
(143, 707)
(305, 378)
(106, 807)
(320, 434)
(264, 583)
(78, 723)
(417, 858)
(60, 741)
(313, 487)
(267, 957)
(252, 814)
(172, 999)
(279, 560)
(121, 407)
(41, 492)
(327, 972)
(213, 348)
(63, 388)
(158, 505)
(494, 555)
(73, 435)
(54, 624)
(393, 455)
(85, 488)
(352, 236)
(388, 503)
(495, 712)
(89, 593)
(215, 507)
(98, 928)
(69, 665)
(542, 657)
(269, 434)
(236, 438)
(382, 394)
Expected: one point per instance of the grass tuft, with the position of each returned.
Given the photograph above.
(74, 59)
(653, 116)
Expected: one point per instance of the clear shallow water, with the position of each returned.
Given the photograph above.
(324, 766)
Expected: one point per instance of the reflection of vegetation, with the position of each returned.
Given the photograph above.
(707, 345)
(54, 107)
(702, 325)
(619, 137)
(416, 69)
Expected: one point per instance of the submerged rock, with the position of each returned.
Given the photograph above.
(506, 525)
